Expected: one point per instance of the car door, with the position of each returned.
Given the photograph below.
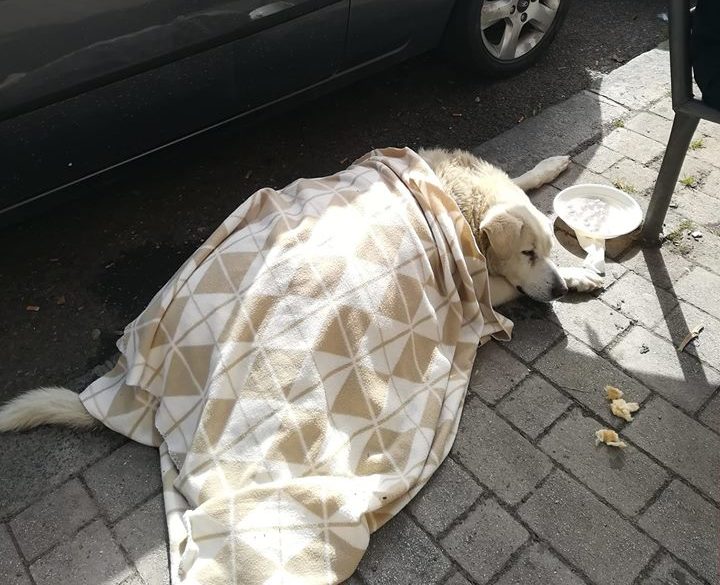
(85, 85)
(53, 50)
(378, 27)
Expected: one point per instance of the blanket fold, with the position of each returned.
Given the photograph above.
(304, 372)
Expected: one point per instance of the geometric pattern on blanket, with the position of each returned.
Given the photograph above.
(303, 373)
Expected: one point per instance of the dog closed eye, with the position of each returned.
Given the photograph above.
(529, 253)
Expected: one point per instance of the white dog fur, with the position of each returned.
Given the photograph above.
(514, 236)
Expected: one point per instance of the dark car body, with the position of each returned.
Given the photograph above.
(87, 85)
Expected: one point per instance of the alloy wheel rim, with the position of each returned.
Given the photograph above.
(512, 28)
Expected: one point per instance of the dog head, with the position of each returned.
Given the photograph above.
(516, 241)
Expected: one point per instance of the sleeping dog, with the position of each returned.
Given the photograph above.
(513, 235)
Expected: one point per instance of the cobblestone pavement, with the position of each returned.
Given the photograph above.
(525, 497)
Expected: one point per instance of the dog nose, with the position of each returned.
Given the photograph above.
(559, 289)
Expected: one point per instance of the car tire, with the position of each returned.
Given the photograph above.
(503, 37)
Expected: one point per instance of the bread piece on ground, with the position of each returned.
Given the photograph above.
(609, 437)
(623, 409)
(613, 393)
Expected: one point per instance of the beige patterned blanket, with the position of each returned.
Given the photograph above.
(303, 373)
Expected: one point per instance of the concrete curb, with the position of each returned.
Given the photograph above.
(567, 127)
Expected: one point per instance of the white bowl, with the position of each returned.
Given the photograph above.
(598, 211)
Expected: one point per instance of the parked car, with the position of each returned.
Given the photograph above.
(86, 85)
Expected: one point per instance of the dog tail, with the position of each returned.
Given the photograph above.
(45, 406)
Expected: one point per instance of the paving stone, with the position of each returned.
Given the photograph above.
(11, 567)
(589, 319)
(628, 173)
(577, 175)
(495, 372)
(597, 158)
(711, 183)
(54, 518)
(45, 458)
(651, 125)
(687, 526)
(678, 442)
(625, 478)
(677, 376)
(586, 532)
(691, 168)
(538, 565)
(705, 251)
(698, 207)
(531, 337)
(709, 128)
(143, 535)
(485, 540)
(555, 130)
(633, 145)
(124, 479)
(701, 287)
(664, 108)
(639, 300)
(543, 198)
(402, 554)
(578, 370)
(457, 579)
(684, 319)
(709, 152)
(533, 333)
(669, 572)
(533, 406)
(711, 414)
(640, 82)
(90, 558)
(499, 456)
(449, 494)
(660, 266)
(133, 580)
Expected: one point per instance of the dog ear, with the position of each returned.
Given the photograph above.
(500, 230)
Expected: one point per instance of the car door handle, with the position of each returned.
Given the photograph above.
(269, 9)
